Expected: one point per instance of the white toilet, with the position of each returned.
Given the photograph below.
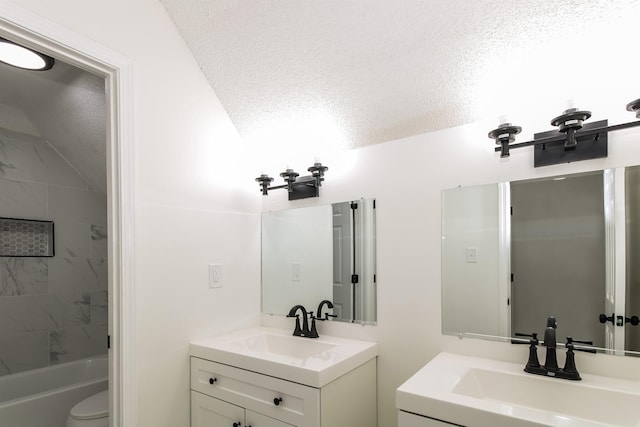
(90, 412)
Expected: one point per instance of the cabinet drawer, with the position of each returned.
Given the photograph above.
(299, 405)
(406, 419)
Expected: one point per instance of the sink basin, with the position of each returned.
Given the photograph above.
(555, 396)
(275, 352)
(475, 391)
(279, 345)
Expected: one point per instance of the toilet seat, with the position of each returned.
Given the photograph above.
(93, 407)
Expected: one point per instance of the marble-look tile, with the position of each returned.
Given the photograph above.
(23, 352)
(77, 343)
(72, 239)
(77, 274)
(19, 315)
(23, 276)
(26, 159)
(73, 205)
(23, 200)
(99, 242)
(99, 307)
(71, 309)
(12, 135)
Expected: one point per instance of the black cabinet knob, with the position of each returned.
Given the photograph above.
(212, 380)
(277, 401)
(237, 424)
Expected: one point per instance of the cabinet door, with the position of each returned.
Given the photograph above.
(210, 412)
(258, 420)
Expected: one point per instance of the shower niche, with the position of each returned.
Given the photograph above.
(26, 238)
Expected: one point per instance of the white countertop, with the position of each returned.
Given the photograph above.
(314, 370)
(450, 388)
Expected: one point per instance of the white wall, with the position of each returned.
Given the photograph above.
(190, 207)
(407, 177)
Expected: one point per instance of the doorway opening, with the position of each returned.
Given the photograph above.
(44, 36)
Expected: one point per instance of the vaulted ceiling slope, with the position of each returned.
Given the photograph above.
(66, 105)
(378, 70)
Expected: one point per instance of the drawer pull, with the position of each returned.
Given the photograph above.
(237, 424)
(277, 401)
(213, 380)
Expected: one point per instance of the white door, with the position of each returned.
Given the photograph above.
(614, 214)
(258, 420)
(211, 412)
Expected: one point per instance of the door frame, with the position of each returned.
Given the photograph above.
(47, 37)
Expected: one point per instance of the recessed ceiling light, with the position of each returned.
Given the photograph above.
(22, 57)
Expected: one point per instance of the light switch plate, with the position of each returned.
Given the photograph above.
(296, 271)
(215, 275)
(472, 255)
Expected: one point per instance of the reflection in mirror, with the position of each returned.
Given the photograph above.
(558, 255)
(321, 252)
(632, 288)
(515, 253)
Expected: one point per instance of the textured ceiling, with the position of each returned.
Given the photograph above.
(360, 72)
(66, 105)
(351, 73)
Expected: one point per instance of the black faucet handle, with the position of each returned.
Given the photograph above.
(571, 341)
(533, 338)
(297, 331)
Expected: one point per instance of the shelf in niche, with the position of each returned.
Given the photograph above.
(26, 238)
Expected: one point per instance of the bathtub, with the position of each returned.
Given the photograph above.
(43, 397)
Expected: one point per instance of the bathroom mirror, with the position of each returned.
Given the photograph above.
(514, 253)
(321, 252)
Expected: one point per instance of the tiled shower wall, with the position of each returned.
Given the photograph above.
(52, 310)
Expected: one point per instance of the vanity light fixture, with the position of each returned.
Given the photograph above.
(298, 187)
(572, 141)
(22, 57)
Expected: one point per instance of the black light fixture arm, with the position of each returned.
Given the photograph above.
(581, 133)
(298, 187)
(569, 131)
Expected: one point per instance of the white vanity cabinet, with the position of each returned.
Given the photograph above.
(222, 395)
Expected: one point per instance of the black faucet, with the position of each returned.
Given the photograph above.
(305, 324)
(550, 368)
(329, 304)
(551, 361)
